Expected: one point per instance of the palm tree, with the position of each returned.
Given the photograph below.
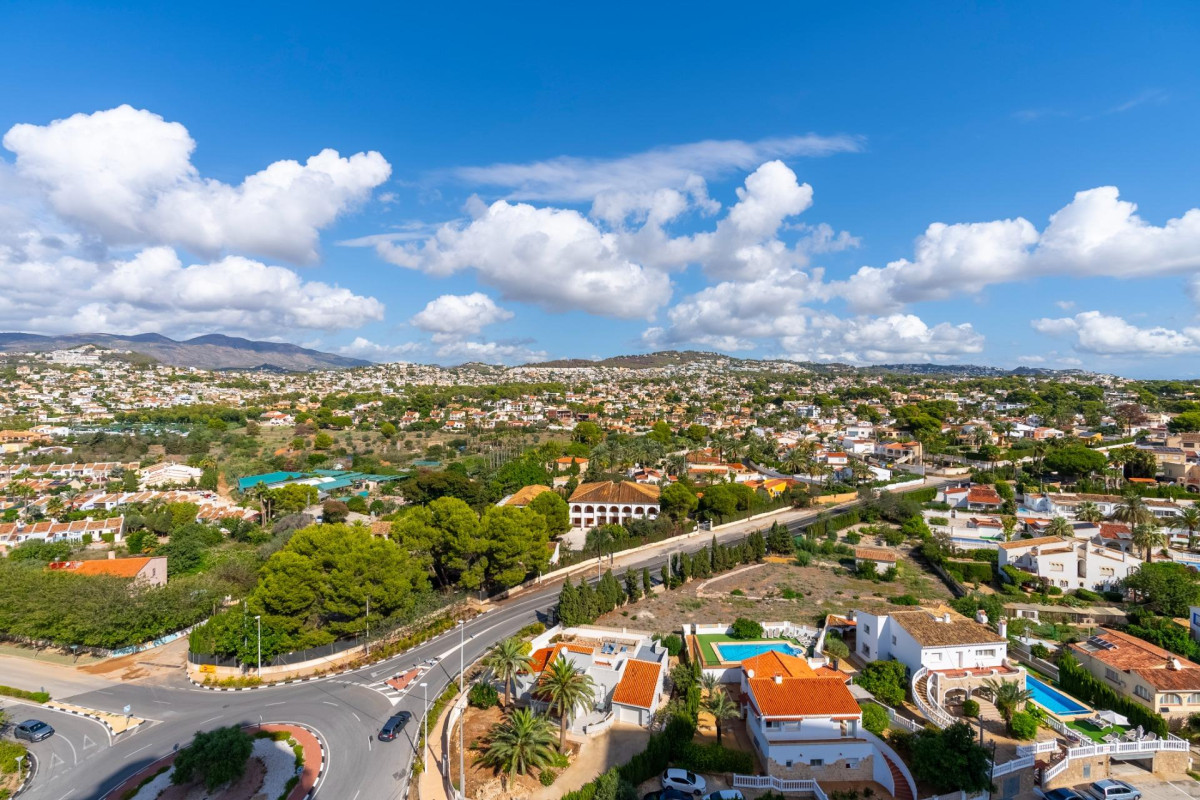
(522, 742)
(1089, 512)
(1007, 696)
(1189, 518)
(1060, 527)
(722, 707)
(263, 495)
(507, 661)
(860, 472)
(599, 539)
(566, 690)
(1008, 523)
(1133, 510)
(1147, 536)
(709, 683)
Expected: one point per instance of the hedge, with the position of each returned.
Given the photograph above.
(37, 697)
(924, 495)
(970, 571)
(823, 527)
(1076, 680)
(713, 758)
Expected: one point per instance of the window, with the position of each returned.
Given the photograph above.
(935, 656)
(1056, 567)
(1142, 692)
(1111, 674)
(1106, 571)
(1194, 698)
(867, 629)
(817, 762)
(987, 653)
(867, 650)
(1172, 699)
(788, 763)
(893, 640)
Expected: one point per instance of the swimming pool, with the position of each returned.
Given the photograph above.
(1051, 699)
(730, 652)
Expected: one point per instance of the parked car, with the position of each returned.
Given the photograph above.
(684, 781)
(394, 725)
(667, 794)
(33, 730)
(1063, 794)
(725, 794)
(1109, 789)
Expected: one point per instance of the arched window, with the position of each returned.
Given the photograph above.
(1172, 699)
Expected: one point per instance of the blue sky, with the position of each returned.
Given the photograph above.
(510, 184)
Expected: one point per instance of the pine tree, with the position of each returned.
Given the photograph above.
(780, 539)
(589, 607)
(632, 590)
(685, 566)
(647, 584)
(666, 577)
(758, 546)
(568, 605)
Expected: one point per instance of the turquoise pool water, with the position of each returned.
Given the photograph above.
(1051, 699)
(731, 652)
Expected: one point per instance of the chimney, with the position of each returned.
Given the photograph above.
(946, 618)
(749, 673)
(779, 679)
(981, 617)
(1173, 664)
(111, 554)
(1002, 628)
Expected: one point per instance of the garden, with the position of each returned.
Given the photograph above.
(268, 762)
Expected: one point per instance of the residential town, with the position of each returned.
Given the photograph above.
(767, 576)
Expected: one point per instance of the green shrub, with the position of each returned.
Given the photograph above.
(744, 628)
(1088, 595)
(923, 495)
(673, 644)
(483, 695)
(939, 521)
(875, 719)
(9, 753)
(216, 757)
(905, 600)
(803, 558)
(547, 777)
(714, 758)
(853, 538)
(1040, 650)
(37, 697)
(1023, 725)
(885, 680)
(970, 708)
(532, 629)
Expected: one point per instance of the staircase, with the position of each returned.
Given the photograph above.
(903, 790)
(920, 692)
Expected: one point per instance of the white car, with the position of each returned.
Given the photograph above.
(684, 781)
(1110, 789)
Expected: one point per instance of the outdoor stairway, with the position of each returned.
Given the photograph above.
(922, 688)
(903, 791)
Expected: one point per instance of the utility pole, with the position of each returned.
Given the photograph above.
(258, 619)
(462, 769)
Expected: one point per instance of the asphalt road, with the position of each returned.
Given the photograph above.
(81, 761)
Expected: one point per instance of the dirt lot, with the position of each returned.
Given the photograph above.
(483, 781)
(774, 591)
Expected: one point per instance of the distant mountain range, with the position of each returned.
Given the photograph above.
(213, 351)
(678, 358)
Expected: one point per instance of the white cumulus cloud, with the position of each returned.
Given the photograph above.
(1104, 334)
(126, 175)
(460, 314)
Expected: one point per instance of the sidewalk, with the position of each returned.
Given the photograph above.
(430, 783)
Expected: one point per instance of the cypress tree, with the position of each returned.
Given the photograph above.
(568, 605)
(632, 589)
(666, 577)
(647, 584)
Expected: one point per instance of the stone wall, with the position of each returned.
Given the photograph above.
(1080, 770)
(829, 771)
(1172, 762)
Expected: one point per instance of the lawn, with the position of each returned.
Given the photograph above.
(705, 640)
(1094, 734)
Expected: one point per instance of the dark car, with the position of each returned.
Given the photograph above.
(394, 725)
(1063, 794)
(34, 730)
(668, 794)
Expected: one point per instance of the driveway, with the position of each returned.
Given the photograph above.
(1153, 787)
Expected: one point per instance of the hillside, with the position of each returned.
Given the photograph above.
(213, 351)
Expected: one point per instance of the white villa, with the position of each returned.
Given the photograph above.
(1069, 563)
(605, 502)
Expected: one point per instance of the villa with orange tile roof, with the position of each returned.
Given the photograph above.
(145, 571)
(805, 723)
(605, 502)
(1145, 673)
(627, 668)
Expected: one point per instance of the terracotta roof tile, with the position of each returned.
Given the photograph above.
(609, 492)
(638, 684)
(875, 554)
(772, 662)
(116, 567)
(803, 697)
(930, 631)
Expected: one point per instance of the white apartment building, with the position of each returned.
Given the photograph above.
(1069, 563)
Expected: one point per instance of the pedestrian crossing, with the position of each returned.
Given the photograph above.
(393, 686)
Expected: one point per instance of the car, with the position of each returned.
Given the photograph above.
(1110, 789)
(34, 730)
(725, 794)
(667, 794)
(1063, 794)
(684, 781)
(394, 725)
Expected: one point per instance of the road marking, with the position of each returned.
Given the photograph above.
(326, 702)
(369, 748)
(88, 743)
(356, 716)
(56, 759)
(268, 705)
(101, 691)
(68, 794)
(162, 702)
(356, 794)
(135, 752)
(74, 755)
(211, 719)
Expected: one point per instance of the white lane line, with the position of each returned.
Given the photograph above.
(356, 716)
(135, 752)
(162, 702)
(211, 719)
(356, 794)
(74, 755)
(68, 794)
(101, 691)
(326, 702)
(268, 705)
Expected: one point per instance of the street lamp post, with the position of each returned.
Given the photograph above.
(462, 769)
(425, 736)
(258, 619)
(19, 765)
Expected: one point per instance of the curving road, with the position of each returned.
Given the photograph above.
(81, 761)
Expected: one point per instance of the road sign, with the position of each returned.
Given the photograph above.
(128, 709)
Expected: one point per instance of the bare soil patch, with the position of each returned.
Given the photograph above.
(484, 782)
(775, 591)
